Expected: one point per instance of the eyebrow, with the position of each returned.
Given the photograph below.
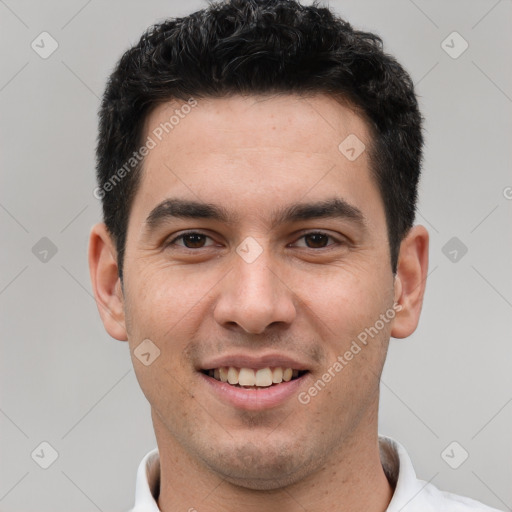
(187, 209)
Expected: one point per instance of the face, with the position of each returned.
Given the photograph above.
(257, 251)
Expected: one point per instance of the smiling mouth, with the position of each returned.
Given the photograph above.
(249, 378)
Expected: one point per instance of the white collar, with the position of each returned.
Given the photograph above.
(410, 495)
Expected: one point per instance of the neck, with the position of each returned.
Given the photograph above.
(352, 480)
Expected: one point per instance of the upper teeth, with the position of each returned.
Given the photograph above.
(262, 377)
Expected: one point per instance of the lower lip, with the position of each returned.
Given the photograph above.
(255, 399)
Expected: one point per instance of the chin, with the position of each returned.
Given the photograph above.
(262, 467)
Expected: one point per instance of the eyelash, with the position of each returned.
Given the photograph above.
(183, 235)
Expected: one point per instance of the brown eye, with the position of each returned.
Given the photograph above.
(316, 240)
(194, 240)
(191, 240)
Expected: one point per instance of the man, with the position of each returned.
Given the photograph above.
(258, 165)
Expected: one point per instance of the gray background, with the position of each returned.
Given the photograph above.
(64, 381)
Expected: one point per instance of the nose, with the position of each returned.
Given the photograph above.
(254, 296)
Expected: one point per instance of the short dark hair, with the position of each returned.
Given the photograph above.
(261, 47)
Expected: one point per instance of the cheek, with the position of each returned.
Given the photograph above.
(347, 301)
(161, 309)
(162, 301)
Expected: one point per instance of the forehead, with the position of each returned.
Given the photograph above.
(317, 123)
(253, 152)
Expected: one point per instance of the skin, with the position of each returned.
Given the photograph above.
(254, 155)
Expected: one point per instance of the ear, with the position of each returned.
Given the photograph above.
(105, 281)
(410, 281)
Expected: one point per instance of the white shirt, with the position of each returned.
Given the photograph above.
(410, 495)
